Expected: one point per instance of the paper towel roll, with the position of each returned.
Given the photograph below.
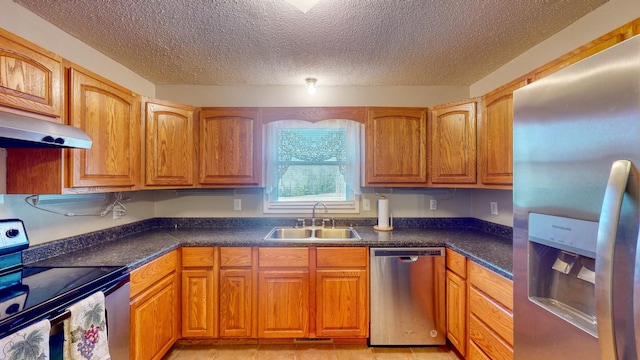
(383, 212)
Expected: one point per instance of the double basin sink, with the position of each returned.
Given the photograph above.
(312, 234)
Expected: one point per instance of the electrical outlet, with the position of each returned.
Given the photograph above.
(494, 208)
(366, 204)
(237, 204)
(433, 205)
(117, 211)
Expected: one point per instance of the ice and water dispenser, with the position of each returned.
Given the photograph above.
(562, 255)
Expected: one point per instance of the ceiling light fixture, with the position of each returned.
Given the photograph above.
(303, 5)
(311, 85)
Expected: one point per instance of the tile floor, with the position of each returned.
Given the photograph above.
(308, 352)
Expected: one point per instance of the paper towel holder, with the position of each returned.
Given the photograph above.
(376, 227)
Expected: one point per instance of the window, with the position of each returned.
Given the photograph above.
(309, 162)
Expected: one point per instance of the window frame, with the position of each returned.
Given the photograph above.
(312, 115)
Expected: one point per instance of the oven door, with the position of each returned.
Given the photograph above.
(117, 311)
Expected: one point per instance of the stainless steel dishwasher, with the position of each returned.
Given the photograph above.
(407, 296)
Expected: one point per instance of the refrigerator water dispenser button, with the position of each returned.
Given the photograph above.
(587, 275)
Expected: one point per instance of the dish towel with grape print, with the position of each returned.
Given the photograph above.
(85, 331)
(30, 343)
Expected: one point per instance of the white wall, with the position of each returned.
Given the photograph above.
(26, 24)
(402, 203)
(607, 17)
(408, 96)
(44, 226)
(480, 201)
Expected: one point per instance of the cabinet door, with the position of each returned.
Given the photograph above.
(199, 292)
(283, 304)
(230, 142)
(198, 311)
(456, 311)
(496, 136)
(170, 149)
(30, 77)
(342, 303)
(453, 144)
(236, 303)
(154, 326)
(110, 115)
(396, 147)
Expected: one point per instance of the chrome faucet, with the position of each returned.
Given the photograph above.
(313, 212)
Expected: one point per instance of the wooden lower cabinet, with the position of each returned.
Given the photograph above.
(342, 292)
(294, 284)
(154, 308)
(199, 292)
(238, 292)
(475, 353)
(487, 341)
(342, 303)
(283, 304)
(456, 300)
(490, 313)
(456, 289)
(479, 310)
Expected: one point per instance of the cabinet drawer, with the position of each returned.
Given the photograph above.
(337, 257)
(457, 263)
(151, 273)
(492, 284)
(488, 341)
(283, 257)
(235, 257)
(491, 313)
(475, 353)
(198, 257)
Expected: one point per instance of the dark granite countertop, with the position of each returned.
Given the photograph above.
(134, 245)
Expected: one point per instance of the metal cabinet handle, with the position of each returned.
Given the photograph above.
(607, 230)
(407, 258)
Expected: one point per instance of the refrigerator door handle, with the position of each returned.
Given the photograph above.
(607, 230)
(636, 296)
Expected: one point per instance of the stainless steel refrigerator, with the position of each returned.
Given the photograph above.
(576, 192)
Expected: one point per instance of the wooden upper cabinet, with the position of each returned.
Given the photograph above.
(30, 78)
(453, 143)
(110, 115)
(229, 147)
(169, 144)
(496, 137)
(396, 147)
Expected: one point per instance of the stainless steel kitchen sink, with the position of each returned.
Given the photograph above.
(336, 234)
(312, 234)
(290, 233)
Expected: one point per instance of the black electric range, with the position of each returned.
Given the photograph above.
(29, 294)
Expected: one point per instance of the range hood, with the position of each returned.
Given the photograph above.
(19, 131)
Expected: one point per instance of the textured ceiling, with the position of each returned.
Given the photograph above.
(341, 42)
